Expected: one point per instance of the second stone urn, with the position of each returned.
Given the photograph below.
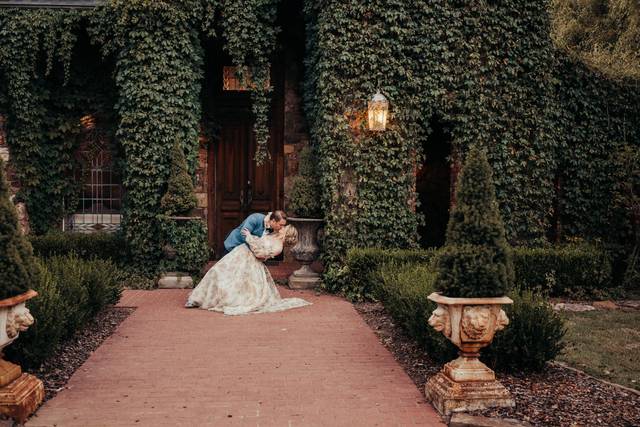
(305, 251)
(467, 384)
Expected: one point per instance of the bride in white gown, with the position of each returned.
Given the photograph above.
(240, 283)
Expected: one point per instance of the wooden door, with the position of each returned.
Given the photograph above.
(231, 177)
(237, 187)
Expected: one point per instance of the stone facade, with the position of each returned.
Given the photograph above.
(202, 178)
(21, 209)
(296, 137)
(296, 134)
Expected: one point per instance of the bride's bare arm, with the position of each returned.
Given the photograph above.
(257, 246)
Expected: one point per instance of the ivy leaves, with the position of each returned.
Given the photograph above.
(250, 36)
(491, 72)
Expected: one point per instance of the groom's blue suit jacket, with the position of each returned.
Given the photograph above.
(254, 223)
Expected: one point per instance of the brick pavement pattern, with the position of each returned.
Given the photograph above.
(165, 365)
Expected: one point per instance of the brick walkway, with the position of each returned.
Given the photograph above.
(169, 366)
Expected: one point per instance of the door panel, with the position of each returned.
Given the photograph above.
(231, 168)
(261, 181)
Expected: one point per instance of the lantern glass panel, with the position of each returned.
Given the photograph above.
(378, 112)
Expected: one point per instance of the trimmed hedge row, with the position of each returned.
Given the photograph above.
(106, 246)
(563, 270)
(533, 336)
(358, 277)
(71, 292)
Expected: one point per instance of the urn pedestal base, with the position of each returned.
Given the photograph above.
(304, 278)
(21, 397)
(8, 372)
(449, 396)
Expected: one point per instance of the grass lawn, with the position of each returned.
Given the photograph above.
(605, 344)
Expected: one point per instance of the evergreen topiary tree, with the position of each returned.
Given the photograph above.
(179, 198)
(18, 270)
(476, 260)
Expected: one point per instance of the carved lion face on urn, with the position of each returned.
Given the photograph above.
(18, 320)
(440, 321)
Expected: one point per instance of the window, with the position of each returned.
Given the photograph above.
(232, 82)
(100, 199)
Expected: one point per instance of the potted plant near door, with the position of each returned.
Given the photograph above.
(474, 273)
(185, 240)
(306, 206)
(20, 393)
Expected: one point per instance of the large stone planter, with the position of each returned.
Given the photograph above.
(20, 393)
(467, 384)
(306, 251)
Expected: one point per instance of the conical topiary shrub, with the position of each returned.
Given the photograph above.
(18, 270)
(179, 198)
(476, 260)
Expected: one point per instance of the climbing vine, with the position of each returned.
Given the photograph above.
(43, 102)
(156, 51)
(158, 61)
(250, 37)
(490, 71)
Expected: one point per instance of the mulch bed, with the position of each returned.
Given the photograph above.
(57, 369)
(556, 397)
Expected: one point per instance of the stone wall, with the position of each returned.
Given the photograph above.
(21, 209)
(202, 178)
(296, 134)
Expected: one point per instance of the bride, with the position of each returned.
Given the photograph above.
(240, 283)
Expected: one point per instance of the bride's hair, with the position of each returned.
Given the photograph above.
(290, 235)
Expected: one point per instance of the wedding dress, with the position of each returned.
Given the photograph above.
(240, 283)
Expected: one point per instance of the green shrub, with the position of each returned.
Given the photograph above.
(560, 270)
(403, 289)
(189, 240)
(71, 292)
(50, 313)
(358, 277)
(18, 271)
(574, 270)
(533, 337)
(103, 282)
(476, 260)
(107, 246)
(132, 278)
(69, 273)
(179, 198)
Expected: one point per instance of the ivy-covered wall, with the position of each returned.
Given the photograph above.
(156, 51)
(490, 70)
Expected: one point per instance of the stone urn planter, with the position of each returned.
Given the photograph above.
(467, 384)
(20, 393)
(305, 251)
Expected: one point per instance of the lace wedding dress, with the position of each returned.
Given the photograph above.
(240, 283)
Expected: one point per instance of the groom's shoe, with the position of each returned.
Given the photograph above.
(190, 304)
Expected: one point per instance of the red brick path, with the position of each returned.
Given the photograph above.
(319, 365)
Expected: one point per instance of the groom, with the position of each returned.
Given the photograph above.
(258, 224)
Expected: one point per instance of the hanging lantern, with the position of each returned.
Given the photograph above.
(378, 112)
